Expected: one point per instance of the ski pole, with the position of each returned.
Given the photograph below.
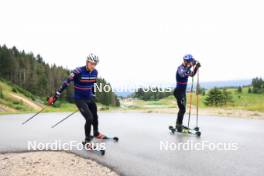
(53, 126)
(34, 115)
(197, 98)
(190, 107)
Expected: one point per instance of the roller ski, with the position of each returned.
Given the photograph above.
(185, 130)
(93, 147)
(100, 136)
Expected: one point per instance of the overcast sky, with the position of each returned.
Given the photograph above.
(141, 41)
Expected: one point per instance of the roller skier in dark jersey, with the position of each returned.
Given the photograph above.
(182, 74)
(84, 79)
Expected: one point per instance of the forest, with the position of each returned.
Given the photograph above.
(33, 74)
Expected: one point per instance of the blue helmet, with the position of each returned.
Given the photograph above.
(188, 58)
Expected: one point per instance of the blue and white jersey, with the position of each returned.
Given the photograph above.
(84, 83)
(182, 76)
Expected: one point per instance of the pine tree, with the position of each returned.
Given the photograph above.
(216, 97)
(249, 90)
(239, 89)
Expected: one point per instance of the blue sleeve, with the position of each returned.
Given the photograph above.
(96, 74)
(183, 72)
(67, 82)
(93, 90)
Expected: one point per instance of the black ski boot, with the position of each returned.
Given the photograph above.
(179, 127)
(87, 140)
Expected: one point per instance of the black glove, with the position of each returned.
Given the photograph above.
(198, 65)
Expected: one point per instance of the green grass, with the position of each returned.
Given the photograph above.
(10, 87)
(241, 101)
(9, 101)
(70, 107)
(244, 100)
(64, 107)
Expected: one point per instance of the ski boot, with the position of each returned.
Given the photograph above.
(100, 136)
(87, 140)
(104, 137)
(179, 128)
(196, 128)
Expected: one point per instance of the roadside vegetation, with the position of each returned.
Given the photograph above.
(14, 99)
(29, 75)
(26, 81)
(250, 98)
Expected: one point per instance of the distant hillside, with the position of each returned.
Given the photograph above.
(33, 74)
(206, 85)
(124, 93)
(229, 83)
(243, 104)
(15, 99)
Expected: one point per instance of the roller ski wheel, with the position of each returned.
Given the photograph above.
(198, 133)
(116, 139)
(196, 129)
(185, 130)
(172, 129)
(89, 146)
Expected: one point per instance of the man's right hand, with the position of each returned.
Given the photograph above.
(52, 100)
(198, 65)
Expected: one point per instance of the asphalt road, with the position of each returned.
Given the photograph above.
(138, 153)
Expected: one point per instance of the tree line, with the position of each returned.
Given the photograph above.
(213, 97)
(257, 85)
(31, 73)
(151, 93)
(219, 97)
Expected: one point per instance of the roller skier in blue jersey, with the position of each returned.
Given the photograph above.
(84, 79)
(182, 74)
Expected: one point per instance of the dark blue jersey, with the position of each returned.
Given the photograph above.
(182, 75)
(84, 81)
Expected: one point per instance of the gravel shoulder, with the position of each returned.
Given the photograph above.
(220, 112)
(50, 163)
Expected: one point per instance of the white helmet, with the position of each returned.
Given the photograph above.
(92, 58)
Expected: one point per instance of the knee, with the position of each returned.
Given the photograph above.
(88, 120)
(175, 94)
(182, 110)
(88, 117)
